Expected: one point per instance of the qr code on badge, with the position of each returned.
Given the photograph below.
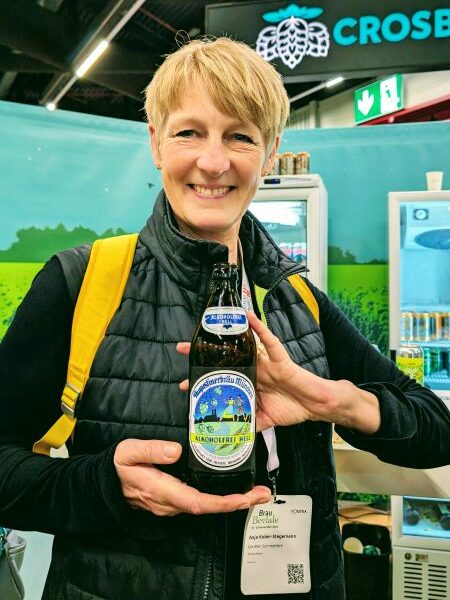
(295, 573)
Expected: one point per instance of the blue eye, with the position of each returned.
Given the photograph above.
(241, 137)
(186, 133)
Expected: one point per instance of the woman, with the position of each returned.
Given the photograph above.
(216, 111)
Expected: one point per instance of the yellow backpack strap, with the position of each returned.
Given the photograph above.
(299, 284)
(301, 287)
(260, 294)
(99, 298)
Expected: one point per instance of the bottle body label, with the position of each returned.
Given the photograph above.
(222, 419)
(225, 320)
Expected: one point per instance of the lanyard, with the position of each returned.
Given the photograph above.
(273, 463)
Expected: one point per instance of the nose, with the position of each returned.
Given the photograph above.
(213, 158)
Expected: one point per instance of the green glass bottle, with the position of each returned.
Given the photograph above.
(222, 382)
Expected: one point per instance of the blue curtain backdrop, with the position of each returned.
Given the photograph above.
(67, 175)
(78, 169)
(360, 165)
(73, 169)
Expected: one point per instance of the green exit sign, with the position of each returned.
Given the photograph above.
(379, 98)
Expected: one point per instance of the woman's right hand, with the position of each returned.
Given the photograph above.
(145, 487)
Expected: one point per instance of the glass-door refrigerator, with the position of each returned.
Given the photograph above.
(420, 548)
(419, 281)
(419, 311)
(294, 210)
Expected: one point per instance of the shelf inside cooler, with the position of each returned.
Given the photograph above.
(438, 383)
(426, 517)
(433, 344)
(425, 308)
(443, 344)
(426, 528)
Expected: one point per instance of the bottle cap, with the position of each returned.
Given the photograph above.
(224, 271)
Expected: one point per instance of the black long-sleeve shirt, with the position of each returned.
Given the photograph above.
(83, 492)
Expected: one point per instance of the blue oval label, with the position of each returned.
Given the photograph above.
(228, 320)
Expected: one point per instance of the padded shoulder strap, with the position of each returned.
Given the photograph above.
(299, 284)
(99, 298)
(74, 262)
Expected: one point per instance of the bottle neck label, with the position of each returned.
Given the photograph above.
(222, 419)
(225, 320)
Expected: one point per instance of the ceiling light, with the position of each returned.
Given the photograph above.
(51, 106)
(334, 81)
(308, 92)
(105, 27)
(93, 56)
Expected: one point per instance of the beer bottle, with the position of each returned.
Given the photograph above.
(222, 377)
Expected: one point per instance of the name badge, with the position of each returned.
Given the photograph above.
(275, 553)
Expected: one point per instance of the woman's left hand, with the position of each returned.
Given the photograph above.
(288, 394)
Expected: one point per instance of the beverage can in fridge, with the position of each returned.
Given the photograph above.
(409, 359)
(301, 164)
(435, 325)
(423, 327)
(407, 327)
(287, 163)
(286, 247)
(436, 361)
(299, 252)
(445, 326)
(427, 362)
(276, 165)
(446, 362)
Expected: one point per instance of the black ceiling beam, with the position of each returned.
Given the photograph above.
(22, 24)
(116, 61)
(128, 85)
(18, 30)
(6, 82)
(119, 59)
(197, 3)
(21, 63)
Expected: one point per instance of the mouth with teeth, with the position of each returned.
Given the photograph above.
(211, 192)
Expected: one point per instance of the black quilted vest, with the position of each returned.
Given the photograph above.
(133, 393)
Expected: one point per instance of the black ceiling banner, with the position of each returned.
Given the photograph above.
(310, 40)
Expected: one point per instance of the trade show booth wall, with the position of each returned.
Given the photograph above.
(69, 178)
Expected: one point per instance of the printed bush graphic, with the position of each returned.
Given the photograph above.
(361, 293)
(15, 279)
(369, 316)
(25, 257)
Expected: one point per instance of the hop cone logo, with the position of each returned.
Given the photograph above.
(293, 37)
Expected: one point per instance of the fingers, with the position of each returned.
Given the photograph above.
(270, 342)
(146, 487)
(190, 500)
(263, 421)
(158, 452)
(183, 347)
(150, 489)
(258, 495)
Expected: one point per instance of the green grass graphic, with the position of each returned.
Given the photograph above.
(15, 279)
(361, 292)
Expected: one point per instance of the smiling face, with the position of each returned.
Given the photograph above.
(211, 166)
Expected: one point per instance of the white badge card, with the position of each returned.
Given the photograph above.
(275, 553)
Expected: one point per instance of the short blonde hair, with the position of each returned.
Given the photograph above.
(239, 82)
